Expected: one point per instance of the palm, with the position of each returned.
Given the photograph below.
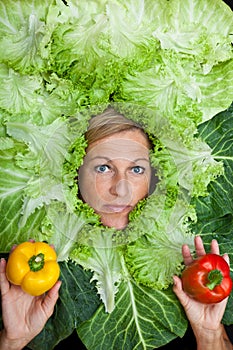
(24, 308)
(203, 315)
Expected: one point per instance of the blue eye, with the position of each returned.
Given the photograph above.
(103, 168)
(138, 170)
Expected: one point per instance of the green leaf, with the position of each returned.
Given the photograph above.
(160, 243)
(190, 23)
(105, 263)
(18, 92)
(217, 206)
(77, 303)
(21, 33)
(169, 88)
(215, 211)
(139, 321)
(63, 227)
(12, 185)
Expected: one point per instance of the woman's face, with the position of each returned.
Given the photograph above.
(115, 175)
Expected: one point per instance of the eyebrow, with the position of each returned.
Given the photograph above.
(100, 157)
(109, 159)
(147, 160)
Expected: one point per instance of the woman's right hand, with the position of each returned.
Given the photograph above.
(24, 316)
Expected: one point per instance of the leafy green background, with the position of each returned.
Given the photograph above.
(57, 60)
(215, 210)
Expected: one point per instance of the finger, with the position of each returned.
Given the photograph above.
(226, 258)
(31, 240)
(214, 247)
(222, 306)
(13, 248)
(186, 254)
(4, 283)
(55, 289)
(200, 250)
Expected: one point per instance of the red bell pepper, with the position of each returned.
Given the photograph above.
(207, 279)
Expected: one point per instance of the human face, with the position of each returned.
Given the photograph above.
(115, 175)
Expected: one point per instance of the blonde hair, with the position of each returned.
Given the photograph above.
(108, 123)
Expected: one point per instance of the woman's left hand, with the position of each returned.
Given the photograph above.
(205, 319)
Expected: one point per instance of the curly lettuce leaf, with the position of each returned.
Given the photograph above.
(23, 28)
(47, 149)
(31, 177)
(193, 50)
(79, 35)
(161, 243)
(62, 226)
(35, 98)
(13, 181)
(127, 27)
(105, 263)
(192, 28)
(195, 164)
(104, 251)
(18, 94)
(169, 88)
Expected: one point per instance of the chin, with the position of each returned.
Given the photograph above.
(115, 222)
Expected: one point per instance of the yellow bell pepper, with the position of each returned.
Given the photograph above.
(34, 267)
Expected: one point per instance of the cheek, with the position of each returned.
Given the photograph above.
(140, 189)
(102, 188)
(92, 188)
(85, 183)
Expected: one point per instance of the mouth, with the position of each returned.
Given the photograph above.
(117, 208)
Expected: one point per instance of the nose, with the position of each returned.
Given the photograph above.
(120, 186)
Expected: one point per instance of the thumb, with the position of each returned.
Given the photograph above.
(178, 290)
(226, 258)
(51, 298)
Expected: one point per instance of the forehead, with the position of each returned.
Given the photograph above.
(131, 144)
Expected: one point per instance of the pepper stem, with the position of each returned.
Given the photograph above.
(36, 262)
(214, 279)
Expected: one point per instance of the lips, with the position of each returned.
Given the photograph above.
(117, 208)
